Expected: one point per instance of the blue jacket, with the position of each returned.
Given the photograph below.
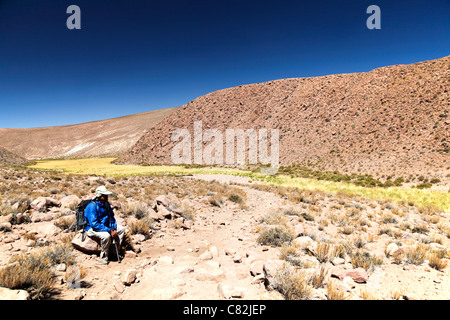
(99, 218)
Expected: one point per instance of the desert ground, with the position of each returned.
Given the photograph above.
(203, 237)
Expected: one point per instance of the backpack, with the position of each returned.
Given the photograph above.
(80, 222)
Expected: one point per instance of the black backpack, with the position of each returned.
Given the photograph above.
(80, 222)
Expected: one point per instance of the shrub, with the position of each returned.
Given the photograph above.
(138, 210)
(436, 262)
(324, 251)
(317, 280)
(418, 255)
(275, 236)
(363, 259)
(32, 273)
(293, 285)
(141, 226)
(334, 293)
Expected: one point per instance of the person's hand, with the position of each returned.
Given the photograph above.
(113, 233)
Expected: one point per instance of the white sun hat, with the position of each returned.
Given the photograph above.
(102, 191)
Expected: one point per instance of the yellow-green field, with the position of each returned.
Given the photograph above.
(105, 167)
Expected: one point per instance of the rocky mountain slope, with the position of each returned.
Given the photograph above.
(98, 138)
(389, 121)
(9, 158)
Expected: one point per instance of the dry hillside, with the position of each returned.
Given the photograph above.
(9, 158)
(97, 138)
(389, 121)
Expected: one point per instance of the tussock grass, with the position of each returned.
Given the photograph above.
(276, 236)
(32, 273)
(293, 284)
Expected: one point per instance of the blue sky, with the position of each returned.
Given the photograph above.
(133, 56)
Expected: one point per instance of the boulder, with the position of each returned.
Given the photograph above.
(89, 245)
(256, 267)
(69, 201)
(271, 269)
(43, 203)
(162, 200)
(302, 242)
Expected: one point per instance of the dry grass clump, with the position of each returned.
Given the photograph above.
(363, 259)
(275, 236)
(334, 292)
(32, 273)
(436, 261)
(292, 284)
(417, 255)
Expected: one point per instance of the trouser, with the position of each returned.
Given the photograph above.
(105, 239)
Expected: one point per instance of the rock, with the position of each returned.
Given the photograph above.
(6, 218)
(299, 230)
(302, 242)
(187, 224)
(207, 255)
(89, 245)
(152, 214)
(9, 294)
(119, 287)
(391, 248)
(214, 251)
(230, 252)
(349, 282)
(80, 295)
(129, 277)
(115, 205)
(162, 200)
(256, 267)
(61, 267)
(130, 254)
(338, 261)
(165, 260)
(138, 238)
(43, 203)
(227, 291)
(164, 212)
(258, 279)
(69, 201)
(271, 270)
(237, 259)
(5, 226)
(209, 271)
(358, 275)
(47, 217)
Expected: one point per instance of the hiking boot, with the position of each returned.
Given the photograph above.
(103, 258)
